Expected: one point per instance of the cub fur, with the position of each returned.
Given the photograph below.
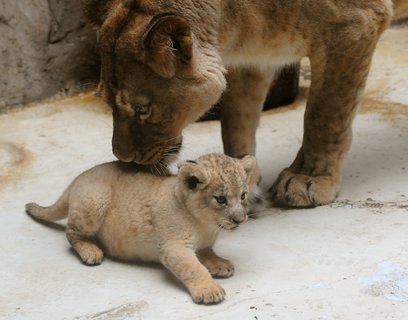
(174, 220)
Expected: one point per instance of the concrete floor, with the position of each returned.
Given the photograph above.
(348, 260)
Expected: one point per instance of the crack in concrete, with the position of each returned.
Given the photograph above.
(370, 204)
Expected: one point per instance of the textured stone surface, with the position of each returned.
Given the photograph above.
(45, 48)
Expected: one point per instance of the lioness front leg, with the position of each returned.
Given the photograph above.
(241, 107)
(339, 73)
(218, 267)
(184, 264)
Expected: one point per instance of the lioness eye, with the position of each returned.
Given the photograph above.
(142, 111)
(221, 199)
(243, 195)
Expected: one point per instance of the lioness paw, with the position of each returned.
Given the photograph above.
(208, 293)
(300, 190)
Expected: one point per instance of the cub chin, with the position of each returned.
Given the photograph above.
(175, 220)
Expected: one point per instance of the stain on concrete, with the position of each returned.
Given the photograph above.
(128, 311)
(13, 160)
(84, 101)
(96, 103)
(389, 281)
(387, 109)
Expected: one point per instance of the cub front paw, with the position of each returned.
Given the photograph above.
(208, 293)
(220, 268)
(298, 190)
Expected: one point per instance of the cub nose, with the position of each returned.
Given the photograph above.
(236, 221)
(239, 219)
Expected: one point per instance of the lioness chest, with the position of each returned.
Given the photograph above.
(253, 36)
(263, 51)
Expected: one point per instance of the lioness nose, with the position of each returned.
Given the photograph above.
(121, 154)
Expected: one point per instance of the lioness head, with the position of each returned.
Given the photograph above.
(155, 74)
(215, 187)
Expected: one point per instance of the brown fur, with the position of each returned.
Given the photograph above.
(173, 54)
(139, 216)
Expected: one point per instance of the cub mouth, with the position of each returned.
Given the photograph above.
(229, 225)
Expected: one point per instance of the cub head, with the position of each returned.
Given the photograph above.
(215, 187)
(156, 74)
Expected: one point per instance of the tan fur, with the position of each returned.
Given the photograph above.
(172, 55)
(400, 8)
(132, 215)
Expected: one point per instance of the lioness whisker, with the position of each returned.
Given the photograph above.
(171, 139)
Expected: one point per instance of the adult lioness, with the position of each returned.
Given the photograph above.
(164, 64)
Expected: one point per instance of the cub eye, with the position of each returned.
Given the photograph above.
(143, 111)
(221, 199)
(243, 195)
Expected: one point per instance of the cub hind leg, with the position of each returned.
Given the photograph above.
(86, 216)
(88, 251)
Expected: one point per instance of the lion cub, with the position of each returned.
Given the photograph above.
(172, 219)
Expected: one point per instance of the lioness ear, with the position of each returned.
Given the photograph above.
(193, 176)
(168, 42)
(95, 11)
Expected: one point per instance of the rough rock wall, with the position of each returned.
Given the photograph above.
(45, 48)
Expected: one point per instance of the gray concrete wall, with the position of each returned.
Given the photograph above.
(45, 48)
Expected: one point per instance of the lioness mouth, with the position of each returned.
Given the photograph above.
(156, 162)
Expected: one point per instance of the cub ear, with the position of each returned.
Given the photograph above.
(248, 162)
(192, 176)
(168, 42)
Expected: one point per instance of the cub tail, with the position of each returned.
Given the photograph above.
(57, 211)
